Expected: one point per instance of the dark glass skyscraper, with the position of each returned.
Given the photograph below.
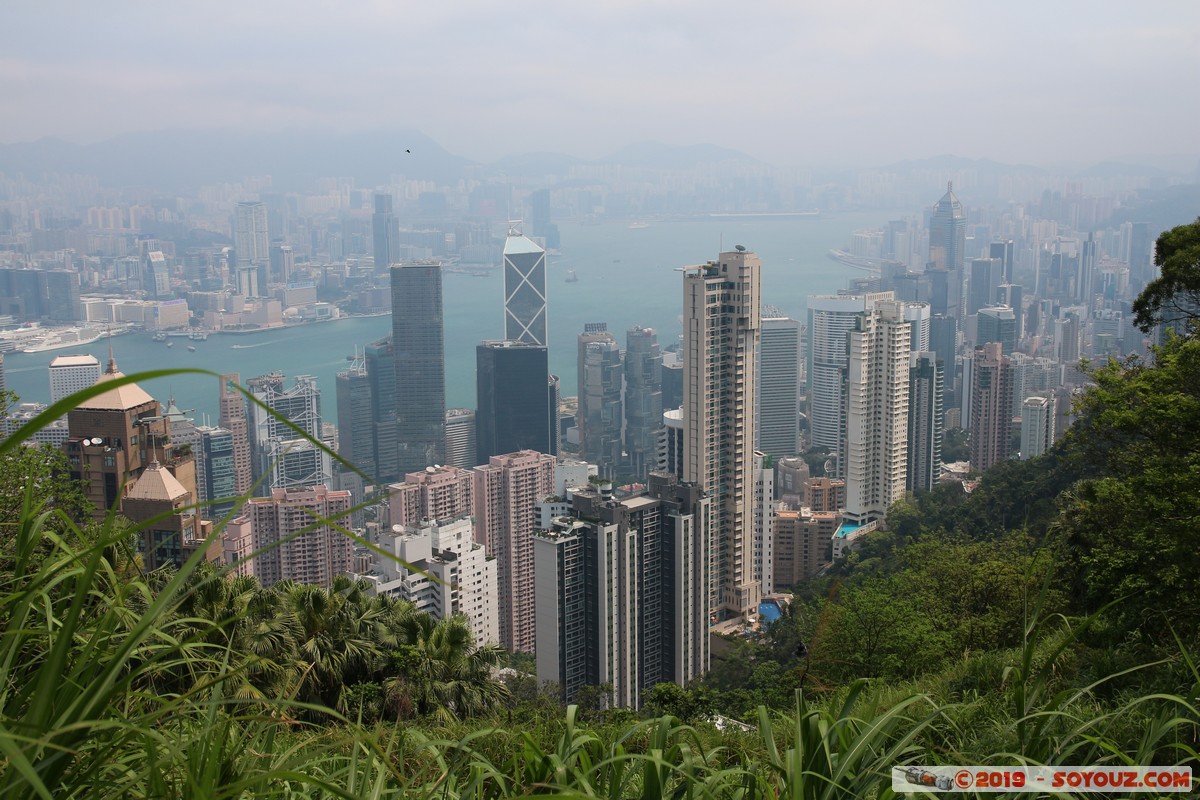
(356, 429)
(514, 399)
(417, 338)
(381, 381)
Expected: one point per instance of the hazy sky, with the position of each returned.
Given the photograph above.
(790, 82)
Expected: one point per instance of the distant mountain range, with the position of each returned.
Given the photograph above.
(176, 160)
(179, 160)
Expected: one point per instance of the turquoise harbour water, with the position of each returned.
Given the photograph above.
(626, 277)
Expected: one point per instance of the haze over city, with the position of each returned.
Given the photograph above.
(847, 83)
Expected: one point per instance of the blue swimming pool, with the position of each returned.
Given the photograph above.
(770, 610)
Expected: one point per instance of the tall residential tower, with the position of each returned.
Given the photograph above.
(722, 319)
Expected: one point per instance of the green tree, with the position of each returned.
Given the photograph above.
(1131, 528)
(439, 670)
(1175, 294)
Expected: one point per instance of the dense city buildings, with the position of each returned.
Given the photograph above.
(830, 319)
(420, 363)
(620, 598)
(506, 492)
(437, 565)
(722, 318)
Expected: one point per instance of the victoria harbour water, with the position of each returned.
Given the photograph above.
(626, 277)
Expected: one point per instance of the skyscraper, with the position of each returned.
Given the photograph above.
(355, 418)
(722, 318)
(506, 491)
(948, 233)
(779, 385)
(986, 276)
(1004, 251)
(216, 476)
(601, 382)
(385, 233)
(925, 421)
(618, 592)
(997, 324)
(286, 458)
(250, 240)
(991, 406)
(417, 337)
(232, 417)
(643, 399)
(830, 319)
(524, 289)
(875, 441)
(380, 357)
(516, 403)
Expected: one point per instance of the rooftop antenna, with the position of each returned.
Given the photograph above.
(112, 360)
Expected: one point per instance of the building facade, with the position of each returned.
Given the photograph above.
(874, 453)
(516, 400)
(506, 492)
(779, 386)
(295, 538)
(991, 406)
(643, 399)
(287, 458)
(420, 359)
(722, 319)
(524, 289)
(621, 596)
(601, 393)
(926, 417)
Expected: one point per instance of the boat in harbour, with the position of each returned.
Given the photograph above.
(572, 277)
